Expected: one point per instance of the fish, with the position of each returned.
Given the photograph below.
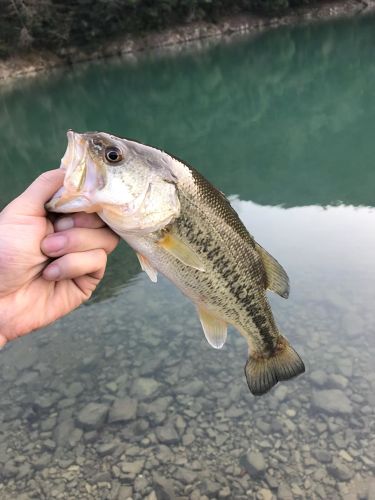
(181, 226)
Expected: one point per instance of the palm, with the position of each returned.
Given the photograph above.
(21, 268)
(22, 259)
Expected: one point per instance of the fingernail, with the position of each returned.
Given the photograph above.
(52, 272)
(54, 243)
(64, 223)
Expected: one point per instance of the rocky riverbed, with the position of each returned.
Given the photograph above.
(124, 399)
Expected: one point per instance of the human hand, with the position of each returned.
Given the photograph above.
(35, 291)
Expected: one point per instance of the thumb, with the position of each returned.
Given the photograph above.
(32, 201)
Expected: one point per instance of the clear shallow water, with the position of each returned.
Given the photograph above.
(283, 124)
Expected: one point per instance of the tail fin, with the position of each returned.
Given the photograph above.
(262, 373)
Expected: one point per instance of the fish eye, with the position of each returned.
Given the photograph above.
(113, 155)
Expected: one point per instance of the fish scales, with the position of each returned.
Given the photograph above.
(183, 227)
(234, 270)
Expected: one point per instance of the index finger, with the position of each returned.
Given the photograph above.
(78, 219)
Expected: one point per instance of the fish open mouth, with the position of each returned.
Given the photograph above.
(82, 178)
(64, 202)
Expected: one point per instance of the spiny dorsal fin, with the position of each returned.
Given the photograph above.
(147, 268)
(215, 329)
(181, 251)
(277, 279)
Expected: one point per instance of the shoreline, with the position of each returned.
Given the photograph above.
(38, 61)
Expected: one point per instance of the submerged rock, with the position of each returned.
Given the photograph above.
(24, 471)
(123, 410)
(92, 416)
(188, 439)
(73, 390)
(225, 492)
(265, 494)
(164, 488)
(332, 401)
(75, 437)
(63, 431)
(371, 489)
(193, 388)
(280, 392)
(337, 381)
(141, 485)
(211, 488)
(161, 404)
(167, 434)
(45, 401)
(49, 445)
(254, 463)
(345, 366)
(318, 378)
(145, 388)
(185, 476)
(284, 493)
(106, 448)
(125, 492)
(340, 471)
(322, 456)
(164, 454)
(43, 461)
(9, 470)
(132, 468)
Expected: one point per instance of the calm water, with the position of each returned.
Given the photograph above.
(284, 125)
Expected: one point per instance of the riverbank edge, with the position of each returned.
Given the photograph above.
(35, 62)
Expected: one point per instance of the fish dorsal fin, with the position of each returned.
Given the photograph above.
(181, 251)
(215, 329)
(147, 268)
(277, 279)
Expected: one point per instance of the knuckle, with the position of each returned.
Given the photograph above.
(74, 240)
(99, 260)
(113, 240)
(103, 257)
(46, 176)
(87, 293)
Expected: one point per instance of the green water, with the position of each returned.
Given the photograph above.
(284, 124)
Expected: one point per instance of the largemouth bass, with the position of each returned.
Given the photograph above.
(183, 227)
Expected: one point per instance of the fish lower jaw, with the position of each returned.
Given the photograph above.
(72, 202)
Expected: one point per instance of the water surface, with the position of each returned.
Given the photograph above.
(282, 123)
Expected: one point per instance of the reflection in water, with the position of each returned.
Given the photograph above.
(286, 118)
(335, 241)
(124, 398)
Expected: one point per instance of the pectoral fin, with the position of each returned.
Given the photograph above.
(181, 251)
(214, 328)
(147, 268)
(277, 279)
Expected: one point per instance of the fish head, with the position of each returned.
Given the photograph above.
(128, 184)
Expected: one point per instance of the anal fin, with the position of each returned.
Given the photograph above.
(215, 329)
(147, 268)
(277, 279)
